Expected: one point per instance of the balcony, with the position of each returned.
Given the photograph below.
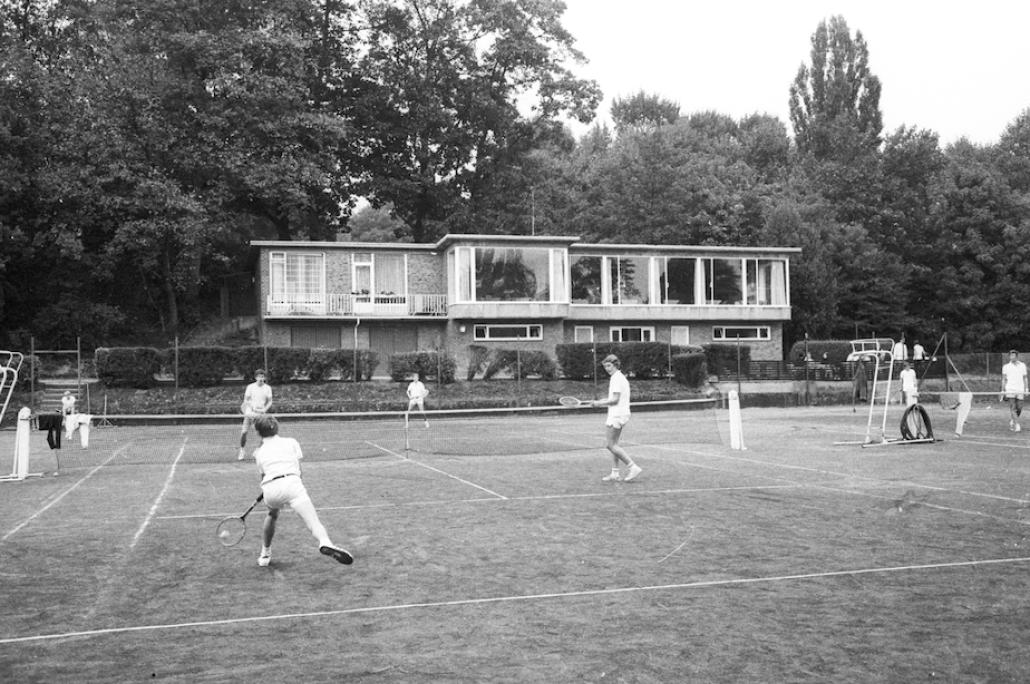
(357, 305)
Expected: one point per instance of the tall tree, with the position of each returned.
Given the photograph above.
(643, 110)
(439, 95)
(835, 102)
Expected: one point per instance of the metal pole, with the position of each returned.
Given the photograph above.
(32, 370)
(807, 357)
(739, 392)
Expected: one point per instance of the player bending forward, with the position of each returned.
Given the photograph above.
(1014, 387)
(618, 415)
(257, 399)
(278, 459)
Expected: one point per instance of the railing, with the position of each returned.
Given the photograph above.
(358, 305)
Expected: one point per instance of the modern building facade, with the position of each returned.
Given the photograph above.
(519, 292)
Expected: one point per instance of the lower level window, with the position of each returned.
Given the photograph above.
(742, 332)
(632, 334)
(508, 332)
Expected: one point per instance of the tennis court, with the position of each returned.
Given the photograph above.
(796, 559)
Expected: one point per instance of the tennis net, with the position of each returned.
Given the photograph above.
(202, 438)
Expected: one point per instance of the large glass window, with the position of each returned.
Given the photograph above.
(379, 274)
(509, 332)
(630, 279)
(491, 274)
(766, 282)
(297, 277)
(741, 332)
(632, 334)
(723, 281)
(677, 280)
(586, 280)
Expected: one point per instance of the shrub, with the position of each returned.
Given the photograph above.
(128, 366)
(826, 351)
(640, 359)
(722, 358)
(203, 366)
(430, 365)
(521, 364)
(478, 358)
(690, 369)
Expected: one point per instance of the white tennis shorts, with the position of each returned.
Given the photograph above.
(617, 422)
(286, 491)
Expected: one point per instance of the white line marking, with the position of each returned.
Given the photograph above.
(519, 598)
(62, 495)
(436, 470)
(160, 497)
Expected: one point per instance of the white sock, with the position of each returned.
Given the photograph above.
(266, 550)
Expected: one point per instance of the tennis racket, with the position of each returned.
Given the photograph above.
(573, 401)
(231, 530)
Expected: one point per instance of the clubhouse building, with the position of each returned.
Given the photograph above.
(518, 292)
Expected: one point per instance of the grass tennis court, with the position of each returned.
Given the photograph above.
(794, 560)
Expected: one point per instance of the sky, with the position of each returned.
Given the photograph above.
(961, 69)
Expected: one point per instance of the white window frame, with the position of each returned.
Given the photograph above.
(583, 333)
(763, 333)
(615, 332)
(277, 285)
(481, 332)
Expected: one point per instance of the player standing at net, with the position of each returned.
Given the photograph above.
(257, 399)
(1014, 387)
(417, 398)
(618, 415)
(278, 459)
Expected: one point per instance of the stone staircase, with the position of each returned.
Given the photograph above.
(52, 390)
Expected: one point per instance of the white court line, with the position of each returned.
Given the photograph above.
(63, 494)
(436, 470)
(520, 598)
(160, 497)
(534, 497)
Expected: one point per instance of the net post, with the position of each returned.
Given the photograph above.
(736, 423)
(20, 470)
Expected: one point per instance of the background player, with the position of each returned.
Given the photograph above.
(278, 459)
(417, 398)
(909, 385)
(257, 399)
(618, 415)
(1014, 387)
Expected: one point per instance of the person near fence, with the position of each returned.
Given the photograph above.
(257, 399)
(909, 385)
(900, 351)
(1014, 387)
(68, 412)
(918, 352)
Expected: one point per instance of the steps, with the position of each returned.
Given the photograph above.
(52, 390)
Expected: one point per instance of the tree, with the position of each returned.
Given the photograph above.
(438, 95)
(835, 102)
(643, 111)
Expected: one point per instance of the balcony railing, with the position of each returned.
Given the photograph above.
(358, 305)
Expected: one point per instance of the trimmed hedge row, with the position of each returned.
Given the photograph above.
(690, 369)
(823, 351)
(430, 365)
(644, 360)
(208, 366)
(519, 363)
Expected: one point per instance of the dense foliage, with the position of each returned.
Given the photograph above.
(143, 146)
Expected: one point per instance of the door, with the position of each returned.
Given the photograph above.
(385, 340)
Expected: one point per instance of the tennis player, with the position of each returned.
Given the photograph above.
(618, 415)
(909, 385)
(1014, 387)
(278, 459)
(417, 398)
(257, 399)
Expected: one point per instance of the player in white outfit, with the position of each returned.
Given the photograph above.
(618, 415)
(257, 399)
(416, 399)
(278, 459)
(1014, 387)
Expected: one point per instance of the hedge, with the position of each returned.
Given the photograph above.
(641, 359)
(430, 365)
(128, 366)
(690, 369)
(823, 351)
(722, 358)
(521, 364)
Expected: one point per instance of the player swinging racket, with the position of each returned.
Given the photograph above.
(278, 459)
(417, 399)
(257, 399)
(618, 415)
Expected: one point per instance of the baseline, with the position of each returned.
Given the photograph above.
(518, 598)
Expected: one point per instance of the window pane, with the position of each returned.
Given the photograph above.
(586, 280)
(390, 274)
(464, 274)
(725, 281)
(678, 284)
(630, 280)
(512, 275)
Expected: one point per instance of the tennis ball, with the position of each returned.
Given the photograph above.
(224, 534)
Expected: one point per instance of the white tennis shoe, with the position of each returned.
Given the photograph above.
(613, 477)
(264, 559)
(242, 455)
(634, 470)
